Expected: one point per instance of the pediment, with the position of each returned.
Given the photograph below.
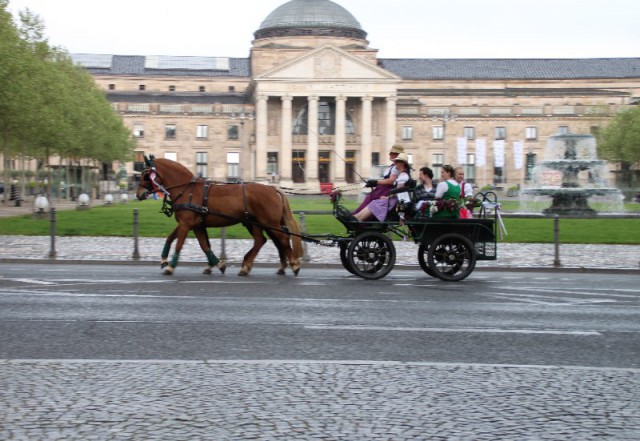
(325, 64)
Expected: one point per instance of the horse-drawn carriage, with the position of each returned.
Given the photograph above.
(448, 248)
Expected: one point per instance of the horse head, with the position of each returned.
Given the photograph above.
(160, 175)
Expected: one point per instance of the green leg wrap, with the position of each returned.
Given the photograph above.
(213, 260)
(165, 250)
(174, 260)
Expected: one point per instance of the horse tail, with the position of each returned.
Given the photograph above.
(292, 225)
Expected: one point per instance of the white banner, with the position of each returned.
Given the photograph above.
(481, 152)
(462, 150)
(498, 153)
(518, 154)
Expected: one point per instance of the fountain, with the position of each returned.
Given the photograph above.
(569, 176)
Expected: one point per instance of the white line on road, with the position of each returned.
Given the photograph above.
(468, 330)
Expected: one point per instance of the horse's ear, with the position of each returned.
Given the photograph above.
(151, 163)
(146, 161)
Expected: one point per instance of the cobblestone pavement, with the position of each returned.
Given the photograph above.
(211, 400)
(118, 249)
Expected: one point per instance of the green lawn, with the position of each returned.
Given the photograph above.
(117, 220)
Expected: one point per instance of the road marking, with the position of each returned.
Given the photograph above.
(468, 330)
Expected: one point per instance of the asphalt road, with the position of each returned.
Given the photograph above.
(119, 312)
(119, 352)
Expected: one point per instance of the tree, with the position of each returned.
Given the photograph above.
(620, 142)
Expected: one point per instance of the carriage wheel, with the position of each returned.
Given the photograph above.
(452, 257)
(423, 252)
(371, 255)
(343, 258)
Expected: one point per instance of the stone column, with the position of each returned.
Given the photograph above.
(340, 143)
(391, 123)
(365, 146)
(312, 145)
(261, 139)
(286, 178)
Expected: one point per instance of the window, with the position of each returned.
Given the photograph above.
(170, 131)
(232, 132)
(531, 162)
(437, 161)
(232, 88)
(141, 87)
(138, 130)
(470, 168)
(531, 133)
(325, 120)
(500, 133)
(138, 162)
(272, 164)
(233, 166)
(172, 88)
(201, 164)
(173, 156)
(407, 132)
(202, 132)
(375, 158)
(201, 89)
(563, 130)
(438, 132)
(112, 87)
(498, 175)
(470, 132)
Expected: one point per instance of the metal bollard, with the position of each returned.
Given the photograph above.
(223, 243)
(52, 233)
(556, 240)
(305, 245)
(136, 252)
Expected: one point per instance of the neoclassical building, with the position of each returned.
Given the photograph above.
(314, 104)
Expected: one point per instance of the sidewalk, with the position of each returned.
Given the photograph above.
(119, 249)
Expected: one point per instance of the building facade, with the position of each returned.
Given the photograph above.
(314, 104)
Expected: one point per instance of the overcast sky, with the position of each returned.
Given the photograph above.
(398, 28)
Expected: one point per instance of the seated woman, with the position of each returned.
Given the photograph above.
(380, 207)
(448, 188)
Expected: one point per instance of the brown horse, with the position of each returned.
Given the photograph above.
(198, 204)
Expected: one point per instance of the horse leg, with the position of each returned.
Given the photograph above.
(164, 257)
(203, 239)
(258, 241)
(281, 253)
(282, 243)
(181, 233)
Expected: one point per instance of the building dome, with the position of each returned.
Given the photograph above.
(310, 17)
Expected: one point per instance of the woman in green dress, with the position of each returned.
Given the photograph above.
(447, 194)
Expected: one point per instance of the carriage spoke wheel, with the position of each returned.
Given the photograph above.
(371, 255)
(423, 260)
(343, 257)
(451, 257)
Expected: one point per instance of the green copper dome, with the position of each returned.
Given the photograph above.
(310, 17)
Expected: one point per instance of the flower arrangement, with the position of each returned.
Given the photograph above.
(451, 205)
(335, 196)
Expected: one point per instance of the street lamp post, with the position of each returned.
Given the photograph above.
(445, 117)
(242, 117)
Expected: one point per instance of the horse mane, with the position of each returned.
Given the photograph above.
(173, 165)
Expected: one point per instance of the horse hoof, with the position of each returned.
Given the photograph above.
(168, 272)
(163, 265)
(281, 272)
(296, 271)
(243, 273)
(207, 271)
(222, 266)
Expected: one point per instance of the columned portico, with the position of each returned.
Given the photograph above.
(340, 143)
(286, 178)
(312, 143)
